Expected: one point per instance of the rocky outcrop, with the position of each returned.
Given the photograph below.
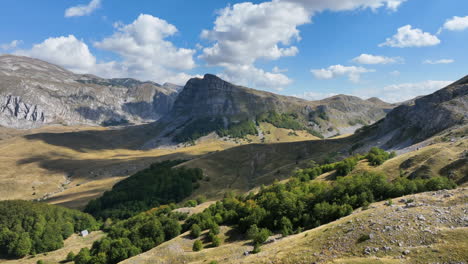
(34, 93)
(416, 121)
(13, 109)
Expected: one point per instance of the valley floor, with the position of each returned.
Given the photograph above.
(70, 166)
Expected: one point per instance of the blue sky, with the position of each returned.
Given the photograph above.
(392, 49)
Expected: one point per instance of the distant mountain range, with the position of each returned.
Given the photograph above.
(34, 93)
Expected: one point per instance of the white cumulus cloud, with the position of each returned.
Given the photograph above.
(441, 61)
(68, 52)
(334, 71)
(143, 53)
(456, 23)
(375, 59)
(83, 10)
(411, 37)
(346, 5)
(142, 44)
(249, 75)
(246, 33)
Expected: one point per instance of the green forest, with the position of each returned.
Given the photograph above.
(159, 184)
(32, 227)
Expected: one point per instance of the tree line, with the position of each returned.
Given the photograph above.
(127, 238)
(239, 128)
(302, 204)
(157, 185)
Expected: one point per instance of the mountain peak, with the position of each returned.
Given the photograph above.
(376, 100)
(210, 76)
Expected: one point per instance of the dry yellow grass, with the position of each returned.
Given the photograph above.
(195, 210)
(72, 244)
(243, 168)
(439, 159)
(273, 134)
(39, 163)
(34, 165)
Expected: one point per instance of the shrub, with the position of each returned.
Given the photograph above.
(256, 249)
(197, 245)
(344, 167)
(195, 231)
(190, 203)
(214, 228)
(201, 199)
(83, 257)
(363, 238)
(258, 236)
(215, 240)
(70, 256)
(377, 156)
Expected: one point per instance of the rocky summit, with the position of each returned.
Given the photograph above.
(34, 93)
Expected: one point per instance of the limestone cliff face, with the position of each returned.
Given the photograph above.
(35, 93)
(14, 109)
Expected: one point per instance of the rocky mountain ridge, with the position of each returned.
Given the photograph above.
(422, 118)
(34, 93)
(211, 99)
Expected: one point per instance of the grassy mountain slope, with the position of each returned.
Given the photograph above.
(432, 231)
(259, 164)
